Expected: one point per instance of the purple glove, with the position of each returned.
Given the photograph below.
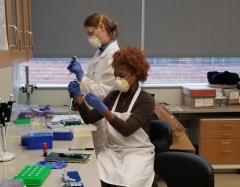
(74, 89)
(76, 68)
(95, 102)
(45, 108)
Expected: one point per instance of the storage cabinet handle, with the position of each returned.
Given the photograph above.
(31, 36)
(227, 134)
(16, 35)
(28, 36)
(227, 125)
(225, 151)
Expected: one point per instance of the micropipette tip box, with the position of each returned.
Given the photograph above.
(37, 138)
(62, 134)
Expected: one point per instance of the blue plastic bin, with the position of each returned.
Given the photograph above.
(37, 138)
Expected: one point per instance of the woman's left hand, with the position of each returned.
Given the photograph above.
(95, 102)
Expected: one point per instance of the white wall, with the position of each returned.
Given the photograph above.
(9, 82)
(6, 83)
(61, 96)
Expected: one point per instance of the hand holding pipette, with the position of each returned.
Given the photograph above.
(76, 68)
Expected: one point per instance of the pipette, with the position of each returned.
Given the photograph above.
(70, 107)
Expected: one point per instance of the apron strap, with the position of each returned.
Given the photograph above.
(134, 99)
(116, 102)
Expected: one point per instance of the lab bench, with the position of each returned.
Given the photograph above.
(23, 156)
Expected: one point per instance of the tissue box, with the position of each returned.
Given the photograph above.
(48, 114)
(25, 115)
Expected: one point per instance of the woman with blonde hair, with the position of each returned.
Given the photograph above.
(102, 34)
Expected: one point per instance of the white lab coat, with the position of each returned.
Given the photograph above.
(127, 161)
(100, 80)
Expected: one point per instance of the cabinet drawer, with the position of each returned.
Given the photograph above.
(220, 134)
(220, 151)
(220, 125)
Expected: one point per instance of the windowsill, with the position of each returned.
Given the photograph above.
(153, 86)
(64, 86)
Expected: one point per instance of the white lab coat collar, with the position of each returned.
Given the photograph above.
(97, 55)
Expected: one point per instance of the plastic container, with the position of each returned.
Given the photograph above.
(37, 138)
(12, 182)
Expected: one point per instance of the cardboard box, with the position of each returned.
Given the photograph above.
(233, 96)
(196, 91)
(198, 102)
(183, 143)
(180, 139)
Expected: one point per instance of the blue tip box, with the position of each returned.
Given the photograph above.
(62, 134)
(37, 138)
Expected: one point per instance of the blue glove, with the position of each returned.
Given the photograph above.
(54, 165)
(76, 68)
(95, 102)
(74, 89)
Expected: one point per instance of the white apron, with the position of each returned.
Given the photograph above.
(100, 80)
(127, 161)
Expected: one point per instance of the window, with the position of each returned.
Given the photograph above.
(163, 70)
(183, 39)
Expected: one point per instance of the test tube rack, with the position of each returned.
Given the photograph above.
(34, 175)
(72, 178)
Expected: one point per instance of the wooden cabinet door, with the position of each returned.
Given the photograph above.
(21, 25)
(28, 28)
(6, 55)
(220, 151)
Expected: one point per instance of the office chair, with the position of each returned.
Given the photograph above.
(181, 169)
(160, 134)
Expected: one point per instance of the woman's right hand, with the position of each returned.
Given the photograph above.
(76, 68)
(74, 89)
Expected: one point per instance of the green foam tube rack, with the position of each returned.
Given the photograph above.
(21, 121)
(34, 175)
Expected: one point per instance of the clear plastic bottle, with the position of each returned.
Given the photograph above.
(44, 149)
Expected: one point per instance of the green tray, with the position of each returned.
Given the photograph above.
(34, 175)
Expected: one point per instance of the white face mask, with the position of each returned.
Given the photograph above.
(94, 41)
(122, 85)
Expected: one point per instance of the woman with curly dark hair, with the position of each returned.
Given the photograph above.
(127, 157)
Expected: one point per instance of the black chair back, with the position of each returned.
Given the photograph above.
(181, 169)
(160, 133)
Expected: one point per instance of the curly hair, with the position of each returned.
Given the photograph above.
(134, 59)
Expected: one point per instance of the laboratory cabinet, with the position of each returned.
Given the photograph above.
(218, 139)
(19, 33)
